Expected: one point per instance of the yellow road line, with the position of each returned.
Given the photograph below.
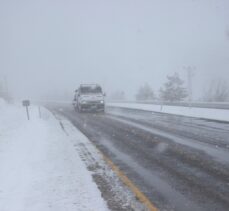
(138, 194)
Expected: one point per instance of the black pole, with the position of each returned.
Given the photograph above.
(27, 111)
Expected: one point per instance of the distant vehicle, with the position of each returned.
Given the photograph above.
(89, 97)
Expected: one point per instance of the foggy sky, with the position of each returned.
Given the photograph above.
(54, 45)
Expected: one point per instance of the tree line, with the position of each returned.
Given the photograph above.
(174, 90)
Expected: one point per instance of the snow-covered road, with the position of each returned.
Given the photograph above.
(179, 163)
(39, 168)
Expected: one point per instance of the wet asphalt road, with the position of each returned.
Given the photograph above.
(180, 163)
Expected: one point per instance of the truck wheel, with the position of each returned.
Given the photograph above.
(75, 108)
(79, 109)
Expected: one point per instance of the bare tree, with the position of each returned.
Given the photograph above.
(4, 93)
(145, 93)
(173, 89)
(227, 33)
(218, 91)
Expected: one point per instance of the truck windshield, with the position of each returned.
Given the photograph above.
(90, 90)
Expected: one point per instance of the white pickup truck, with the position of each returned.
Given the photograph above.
(89, 97)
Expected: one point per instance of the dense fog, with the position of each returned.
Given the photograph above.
(49, 47)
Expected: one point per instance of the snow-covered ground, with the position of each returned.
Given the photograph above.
(207, 113)
(39, 168)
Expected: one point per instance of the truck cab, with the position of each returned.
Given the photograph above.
(89, 97)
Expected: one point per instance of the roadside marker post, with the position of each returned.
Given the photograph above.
(26, 104)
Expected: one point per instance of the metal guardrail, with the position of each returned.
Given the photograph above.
(215, 105)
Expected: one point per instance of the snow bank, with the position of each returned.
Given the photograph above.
(207, 113)
(39, 167)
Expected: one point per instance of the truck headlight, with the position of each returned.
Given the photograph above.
(102, 101)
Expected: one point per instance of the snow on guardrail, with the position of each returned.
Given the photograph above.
(216, 105)
(206, 113)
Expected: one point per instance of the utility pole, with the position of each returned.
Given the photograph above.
(190, 74)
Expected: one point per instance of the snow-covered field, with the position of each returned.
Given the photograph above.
(39, 168)
(207, 113)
